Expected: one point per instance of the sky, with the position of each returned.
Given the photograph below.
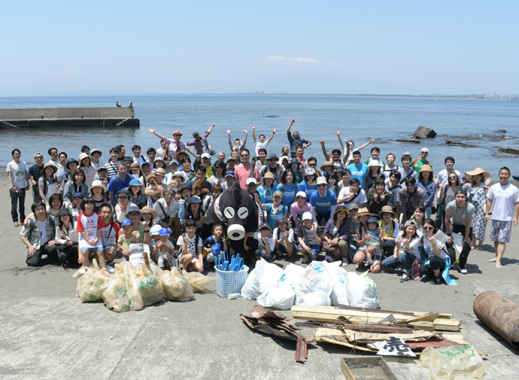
(135, 47)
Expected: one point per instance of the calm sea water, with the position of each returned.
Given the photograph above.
(317, 118)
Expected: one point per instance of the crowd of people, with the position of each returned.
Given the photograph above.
(379, 212)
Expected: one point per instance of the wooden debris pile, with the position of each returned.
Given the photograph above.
(360, 328)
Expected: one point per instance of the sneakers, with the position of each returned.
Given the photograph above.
(110, 269)
(405, 277)
(464, 271)
(438, 281)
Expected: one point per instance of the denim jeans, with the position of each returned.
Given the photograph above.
(17, 205)
(404, 259)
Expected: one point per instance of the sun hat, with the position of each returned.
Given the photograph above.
(206, 155)
(148, 210)
(426, 168)
(321, 181)
(95, 150)
(307, 215)
(50, 165)
(268, 175)
(387, 209)
(251, 181)
(424, 150)
(478, 171)
(374, 163)
(177, 132)
(301, 194)
(340, 209)
(82, 156)
(132, 208)
(326, 164)
(277, 193)
(364, 211)
(126, 223)
(180, 174)
(164, 231)
(155, 230)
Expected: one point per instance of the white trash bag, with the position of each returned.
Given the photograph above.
(263, 277)
(283, 295)
(313, 299)
(362, 291)
(339, 277)
(316, 279)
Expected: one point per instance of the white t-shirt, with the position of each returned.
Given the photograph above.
(359, 199)
(89, 225)
(261, 145)
(265, 241)
(18, 171)
(503, 200)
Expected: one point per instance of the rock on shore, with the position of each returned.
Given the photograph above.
(422, 132)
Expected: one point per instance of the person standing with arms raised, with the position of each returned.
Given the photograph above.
(295, 140)
(503, 202)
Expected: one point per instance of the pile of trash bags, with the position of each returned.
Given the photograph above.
(318, 284)
(135, 287)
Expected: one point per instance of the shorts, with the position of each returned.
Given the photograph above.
(85, 247)
(500, 231)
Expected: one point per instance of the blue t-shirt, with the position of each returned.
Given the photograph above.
(265, 194)
(289, 192)
(358, 172)
(323, 204)
(117, 184)
(307, 188)
(275, 215)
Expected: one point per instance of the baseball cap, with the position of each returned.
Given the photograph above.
(309, 171)
(77, 195)
(301, 194)
(155, 230)
(132, 208)
(82, 156)
(251, 181)
(264, 226)
(126, 223)
(321, 181)
(229, 173)
(135, 182)
(206, 155)
(424, 150)
(164, 232)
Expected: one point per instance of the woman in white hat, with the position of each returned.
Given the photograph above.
(85, 164)
(48, 183)
(477, 194)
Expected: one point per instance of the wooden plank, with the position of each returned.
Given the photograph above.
(423, 325)
(364, 337)
(447, 324)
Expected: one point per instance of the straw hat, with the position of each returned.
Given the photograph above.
(50, 165)
(478, 171)
(340, 209)
(363, 211)
(149, 210)
(326, 164)
(387, 209)
(268, 175)
(426, 168)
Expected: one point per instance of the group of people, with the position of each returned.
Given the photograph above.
(379, 213)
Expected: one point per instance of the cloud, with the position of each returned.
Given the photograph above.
(280, 58)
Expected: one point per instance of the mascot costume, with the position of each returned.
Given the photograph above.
(237, 211)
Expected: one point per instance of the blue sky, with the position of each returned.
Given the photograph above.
(98, 47)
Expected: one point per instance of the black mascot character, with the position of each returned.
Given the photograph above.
(236, 210)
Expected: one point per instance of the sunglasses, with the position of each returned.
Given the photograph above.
(428, 228)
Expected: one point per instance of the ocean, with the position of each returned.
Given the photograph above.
(317, 118)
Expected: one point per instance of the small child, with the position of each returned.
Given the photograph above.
(369, 254)
(308, 238)
(266, 243)
(165, 249)
(215, 244)
(190, 246)
(284, 239)
(88, 231)
(126, 238)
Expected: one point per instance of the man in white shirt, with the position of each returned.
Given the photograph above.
(18, 176)
(503, 201)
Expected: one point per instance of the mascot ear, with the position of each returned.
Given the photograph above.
(252, 219)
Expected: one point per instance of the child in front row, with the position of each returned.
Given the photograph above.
(369, 253)
(215, 244)
(190, 248)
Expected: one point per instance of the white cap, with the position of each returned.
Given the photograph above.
(82, 156)
(97, 183)
(181, 174)
(307, 215)
(251, 180)
(374, 163)
(284, 158)
(321, 181)
(301, 194)
(309, 171)
(206, 155)
(155, 229)
(424, 149)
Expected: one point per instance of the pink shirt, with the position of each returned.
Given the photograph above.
(295, 210)
(242, 173)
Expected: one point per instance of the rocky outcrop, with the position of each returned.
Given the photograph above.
(422, 132)
(459, 143)
(411, 140)
(509, 150)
